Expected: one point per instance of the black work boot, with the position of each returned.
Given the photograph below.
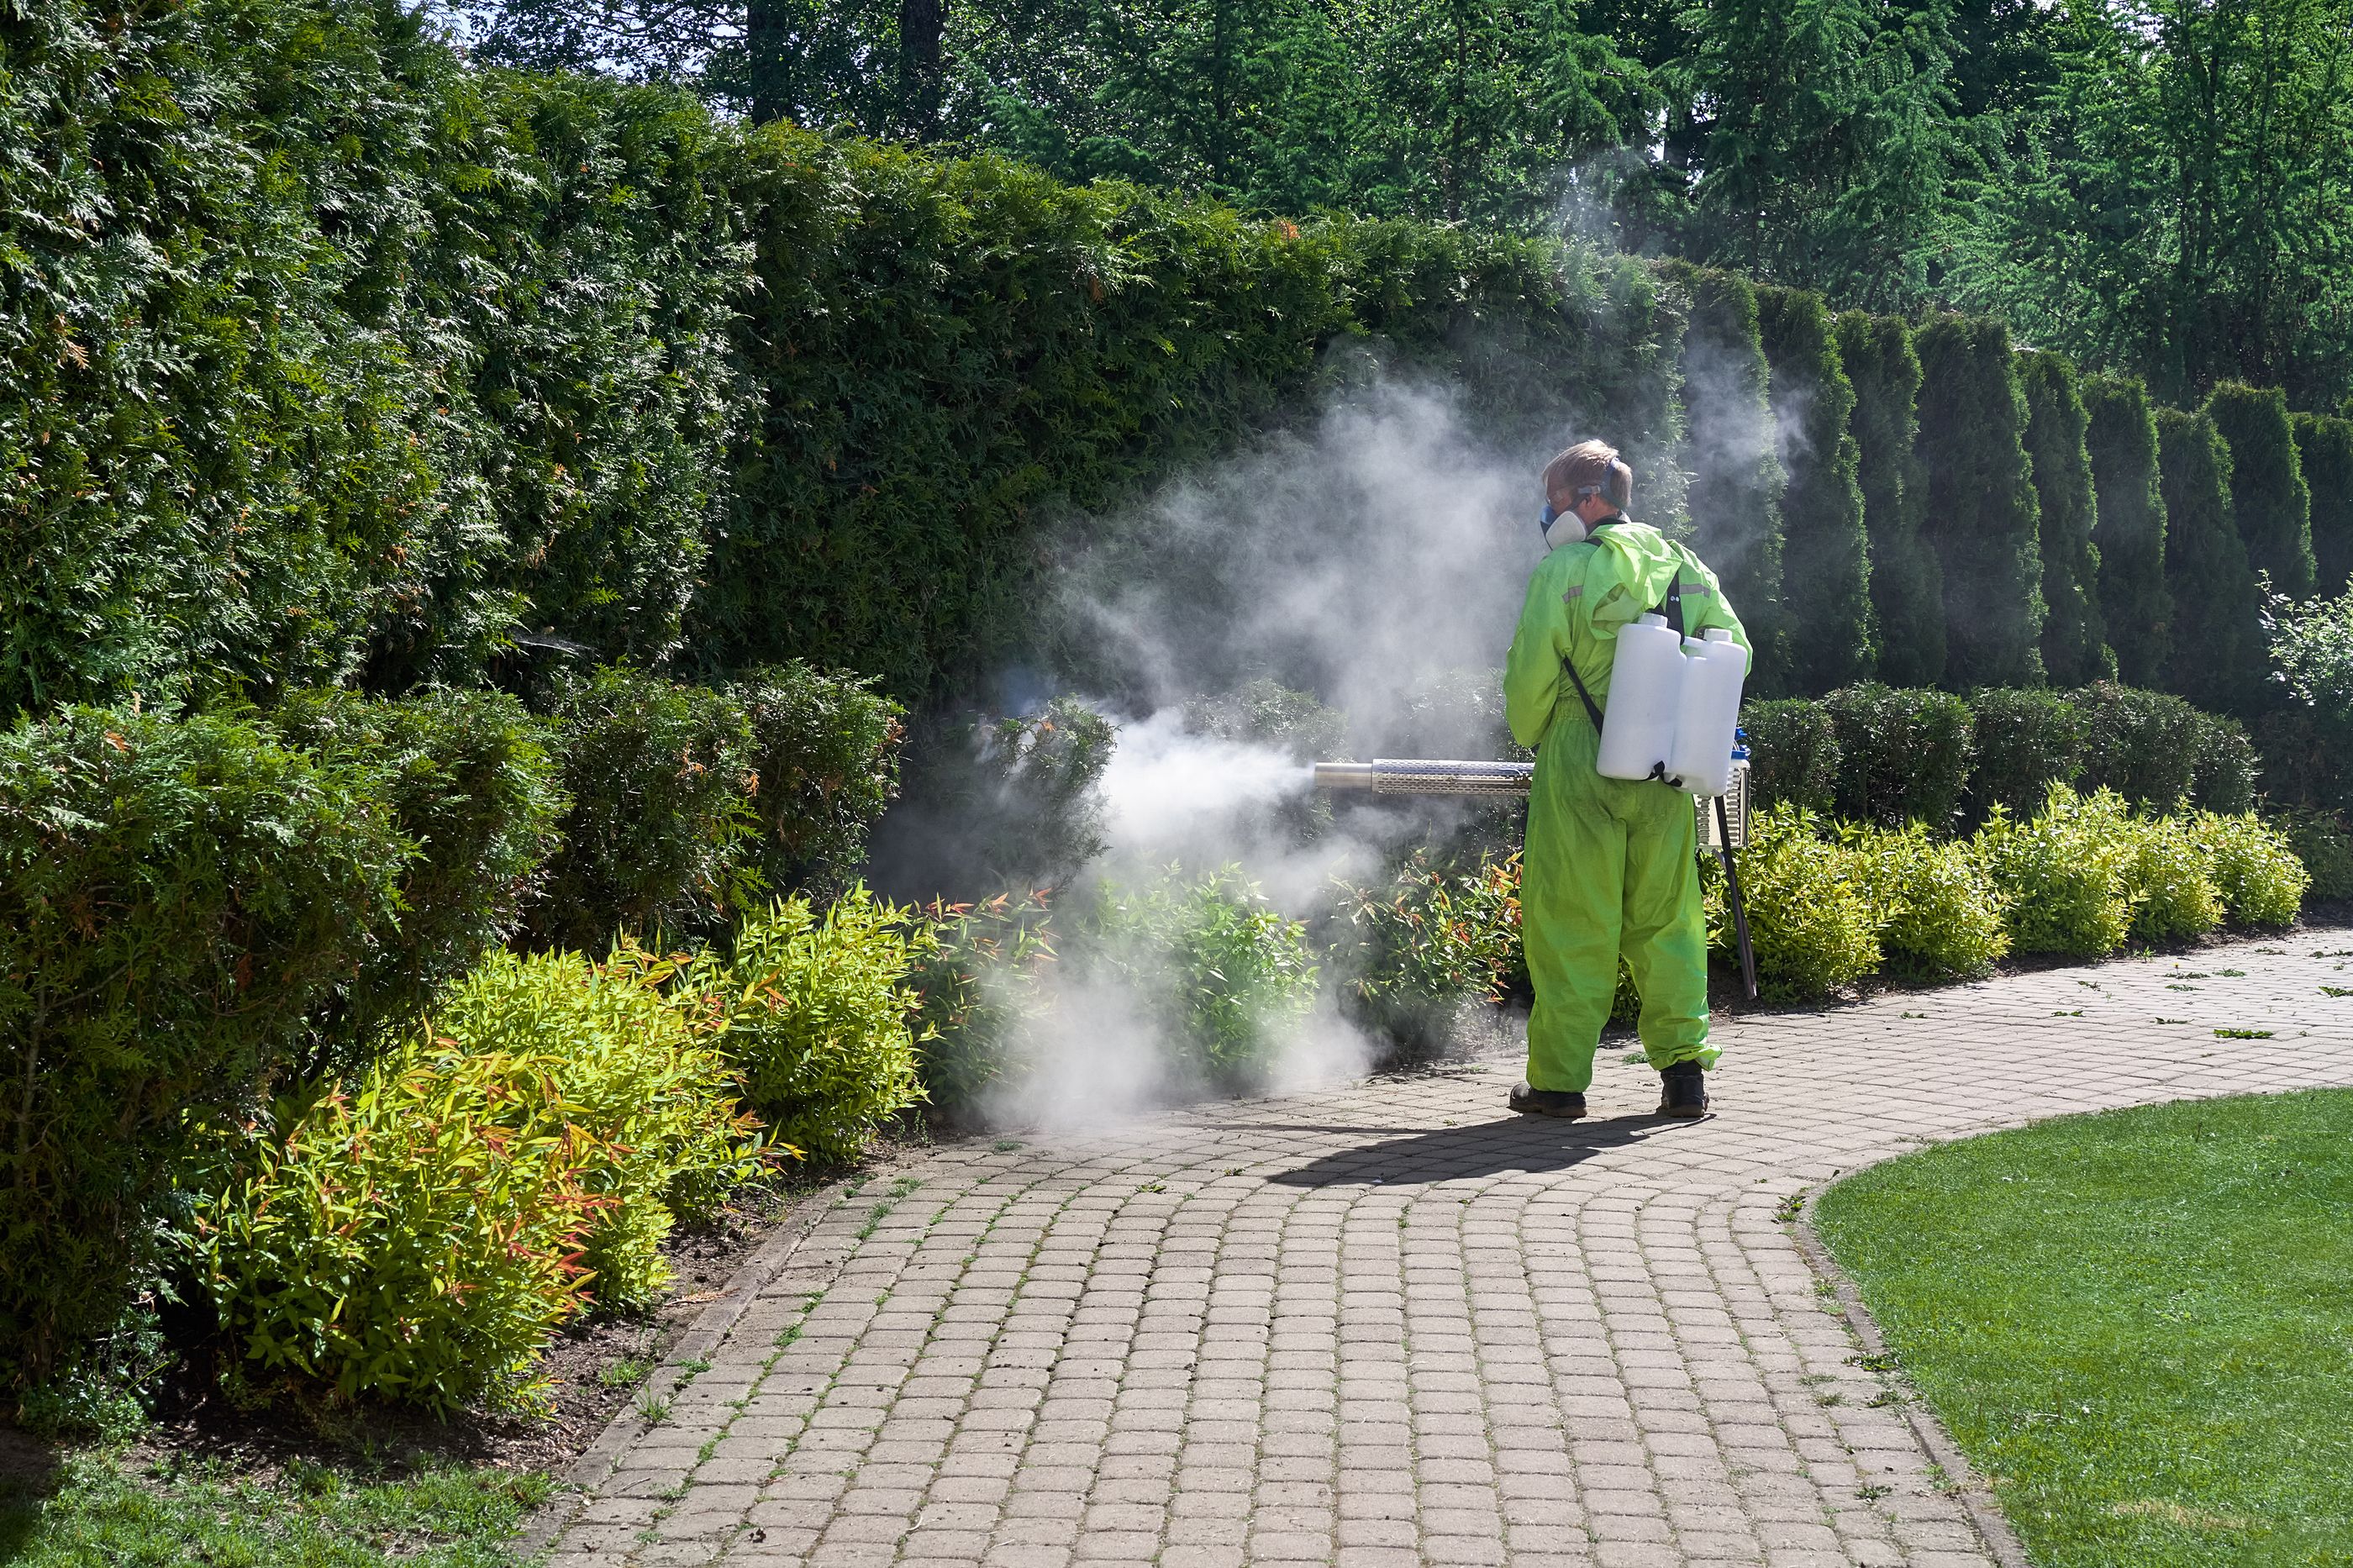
(1682, 1091)
(1566, 1104)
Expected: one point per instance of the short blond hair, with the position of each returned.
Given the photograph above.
(1591, 466)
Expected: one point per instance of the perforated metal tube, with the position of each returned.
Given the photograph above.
(1411, 775)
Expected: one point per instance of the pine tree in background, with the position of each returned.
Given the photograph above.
(2324, 446)
(2135, 609)
(1908, 594)
(1980, 515)
(2218, 658)
(1736, 479)
(2075, 647)
(2268, 495)
(1825, 567)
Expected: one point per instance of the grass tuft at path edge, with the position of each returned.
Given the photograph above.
(2138, 1325)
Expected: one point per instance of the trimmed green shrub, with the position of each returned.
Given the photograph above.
(2261, 882)
(2223, 767)
(1904, 757)
(467, 778)
(2268, 495)
(825, 751)
(1736, 481)
(1938, 916)
(1272, 714)
(1825, 565)
(2062, 875)
(1793, 753)
(977, 982)
(1019, 802)
(419, 1235)
(2216, 656)
(1810, 918)
(2169, 877)
(662, 786)
(2324, 447)
(176, 895)
(814, 1012)
(2075, 641)
(1426, 942)
(2026, 741)
(2135, 607)
(2321, 841)
(1980, 514)
(2312, 646)
(2142, 744)
(1226, 972)
(1907, 592)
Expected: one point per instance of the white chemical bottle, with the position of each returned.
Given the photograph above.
(1645, 692)
(1707, 712)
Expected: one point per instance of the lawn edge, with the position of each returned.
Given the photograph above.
(1993, 1527)
(579, 1481)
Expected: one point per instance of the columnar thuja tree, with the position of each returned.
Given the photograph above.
(2324, 446)
(1980, 514)
(2217, 657)
(2268, 495)
(2135, 609)
(1736, 479)
(1824, 566)
(2074, 647)
(1908, 594)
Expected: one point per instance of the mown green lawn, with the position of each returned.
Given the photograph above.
(2138, 1325)
(96, 1512)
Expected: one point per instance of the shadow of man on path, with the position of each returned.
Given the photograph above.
(1530, 1143)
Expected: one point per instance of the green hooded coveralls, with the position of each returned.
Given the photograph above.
(1612, 864)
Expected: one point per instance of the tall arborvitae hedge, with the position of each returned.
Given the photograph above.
(1907, 594)
(1980, 512)
(2323, 447)
(957, 355)
(2135, 607)
(2217, 657)
(2075, 647)
(326, 359)
(2267, 489)
(1825, 570)
(1728, 450)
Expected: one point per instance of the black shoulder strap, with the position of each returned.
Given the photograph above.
(1671, 606)
(1592, 708)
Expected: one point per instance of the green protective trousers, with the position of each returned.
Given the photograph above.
(1610, 870)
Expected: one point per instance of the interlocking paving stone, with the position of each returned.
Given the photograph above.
(1389, 1324)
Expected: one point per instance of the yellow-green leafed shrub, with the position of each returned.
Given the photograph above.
(814, 1014)
(2261, 881)
(1813, 927)
(2061, 874)
(2170, 878)
(417, 1234)
(1939, 916)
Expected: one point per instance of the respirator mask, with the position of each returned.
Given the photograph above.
(1560, 528)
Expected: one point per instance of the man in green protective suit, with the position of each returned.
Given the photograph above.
(1612, 864)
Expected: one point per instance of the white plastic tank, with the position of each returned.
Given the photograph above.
(1646, 681)
(1707, 712)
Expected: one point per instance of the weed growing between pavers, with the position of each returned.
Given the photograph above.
(2134, 1323)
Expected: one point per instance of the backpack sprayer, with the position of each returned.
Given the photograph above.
(1674, 707)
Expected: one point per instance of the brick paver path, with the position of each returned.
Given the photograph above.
(1393, 1324)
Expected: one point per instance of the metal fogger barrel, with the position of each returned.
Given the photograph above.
(1417, 776)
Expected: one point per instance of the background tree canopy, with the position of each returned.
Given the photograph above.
(2163, 187)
